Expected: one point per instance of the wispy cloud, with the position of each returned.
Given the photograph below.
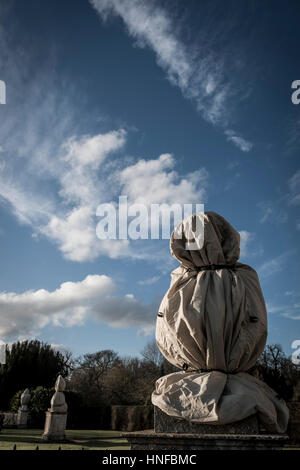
(294, 186)
(291, 310)
(292, 293)
(66, 212)
(245, 239)
(67, 215)
(26, 314)
(277, 211)
(292, 144)
(234, 176)
(195, 69)
(239, 141)
(57, 165)
(273, 266)
(150, 281)
(271, 211)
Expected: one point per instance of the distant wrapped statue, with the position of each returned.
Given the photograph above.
(212, 324)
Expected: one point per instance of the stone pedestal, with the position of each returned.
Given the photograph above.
(150, 440)
(55, 426)
(178, 434)
(22, 419)
(23, 413)
(164, 423)
(56, 416)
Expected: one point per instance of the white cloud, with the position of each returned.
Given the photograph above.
(150, 281)
(291, 310)
(195, 69)
(239, 141)
(50, 170)
(66, 213)
(245, 239)
(292, 144)
(272, 212)
(68, 216)
(291, 293)
(30, 311)
(79, 162)
(126, 312)
(25, 314)
(73, 233)
(273, 266)
(151, 26)
(93, 150)
(294, 186)
(54, 176)
(156, 181)
(58, 347)
(233, 165)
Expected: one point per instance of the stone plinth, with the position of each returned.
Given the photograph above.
(294, 423)
(56, 416)
(55, 426)
(164, 423)
(23, 413)
(22, 419)
(150, 440)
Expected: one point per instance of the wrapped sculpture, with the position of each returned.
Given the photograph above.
(212, 324)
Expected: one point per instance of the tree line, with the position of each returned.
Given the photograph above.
(105, 378)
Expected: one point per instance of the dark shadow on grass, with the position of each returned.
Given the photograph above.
(16, 439)
(101, 444)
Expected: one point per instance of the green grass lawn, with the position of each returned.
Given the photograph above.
(29, 439)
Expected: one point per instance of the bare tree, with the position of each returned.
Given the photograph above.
(278, 371)
(98, 364)
(152, 354)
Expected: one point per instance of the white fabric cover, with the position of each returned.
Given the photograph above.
(214, 320)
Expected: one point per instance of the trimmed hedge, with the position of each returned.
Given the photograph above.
(89, 418)
(294, 422)
(118, 418)
(132, 418)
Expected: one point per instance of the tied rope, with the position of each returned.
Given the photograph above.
(214, 267)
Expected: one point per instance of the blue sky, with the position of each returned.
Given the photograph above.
(105, 98)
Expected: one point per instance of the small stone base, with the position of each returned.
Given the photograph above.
(164, 423)
(150, 440)
(55, 426)
(22, 419)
